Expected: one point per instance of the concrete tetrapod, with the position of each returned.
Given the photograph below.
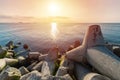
(94, 50)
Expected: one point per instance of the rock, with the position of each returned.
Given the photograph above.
(117, 51)
(25, 46)
(31, 66)
(2, 64)
(23, 53)
(77, 43)
(3, 53)
(34, 55)
(66, 67)
(21, 59)
(34, 75)
(38, 66)
(62, 71)
(65, 77)
(10, 73)
(23, 70)
(11, 62)
(10, 45)
(67, 63)
(43, 57)
(19, 43)
(48, 68)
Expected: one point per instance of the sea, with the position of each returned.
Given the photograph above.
(42, 36)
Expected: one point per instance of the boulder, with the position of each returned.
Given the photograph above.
(2, 64)
(3, 53)
(31, 66)
(38, 66)
(34, 55)
(21, 60)
(10, 73)
(11, 62)
(34, 75)
(23, 70)
(48, 68)
(26, 47)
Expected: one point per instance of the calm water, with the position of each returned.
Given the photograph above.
(42, 36)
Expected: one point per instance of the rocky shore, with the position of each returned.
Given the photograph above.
(28, 65)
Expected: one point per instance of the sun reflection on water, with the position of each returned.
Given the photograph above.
(54, 30)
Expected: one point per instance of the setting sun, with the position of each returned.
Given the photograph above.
(54, 9)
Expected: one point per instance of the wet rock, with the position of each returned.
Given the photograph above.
(11, 62)
(34, 55)
(38, 66)
(31, 66)
(3, 53)
(77, 43)
(23, 70)
(34, 75)
(48, 68)
(65, 77)
(19, 43)
(25, 46)
(2, 64)
(10, 73)
(10, 45)
(117, 51)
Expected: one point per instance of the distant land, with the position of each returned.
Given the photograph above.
(22, 19)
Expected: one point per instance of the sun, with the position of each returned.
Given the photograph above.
(54, 9)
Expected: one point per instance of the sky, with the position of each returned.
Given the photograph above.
(81, 10)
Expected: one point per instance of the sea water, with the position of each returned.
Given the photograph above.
(41, 36)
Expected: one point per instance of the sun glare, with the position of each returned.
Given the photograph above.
(54, 9)
(54, 30)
